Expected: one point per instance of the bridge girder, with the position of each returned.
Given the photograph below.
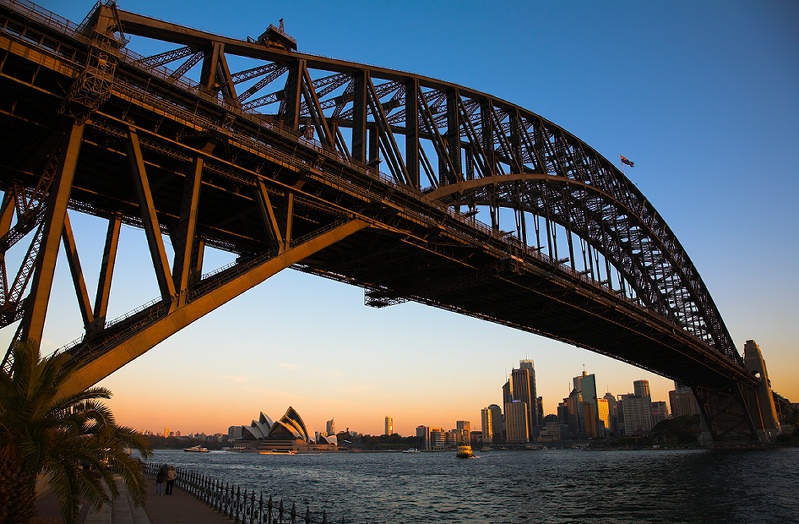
(295, 180)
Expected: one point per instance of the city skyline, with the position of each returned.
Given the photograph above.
(708, 118)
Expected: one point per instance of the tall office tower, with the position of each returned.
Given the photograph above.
(682, 401)
(389, 426)
(507, 392)
(463, 428)
(637, 415)
(330, 426)
(641, 388)
(516, 424)
(497, 424)
(613, 417)
(587, 385)
(591, 430)
(523, 390)
(604, 416)
(659, 412)
(423, 437)
(166, 432)
(485, 425)
(540, 412)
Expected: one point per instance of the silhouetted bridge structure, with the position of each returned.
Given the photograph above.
(412, 188)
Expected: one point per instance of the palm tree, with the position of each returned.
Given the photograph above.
(72, 442)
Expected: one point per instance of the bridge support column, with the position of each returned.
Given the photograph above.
(769, 425)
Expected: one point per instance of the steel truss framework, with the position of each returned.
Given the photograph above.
(367, 175)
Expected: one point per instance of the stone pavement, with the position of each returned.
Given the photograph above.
(180, 507)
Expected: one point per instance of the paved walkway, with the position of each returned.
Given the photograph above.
(177, 508)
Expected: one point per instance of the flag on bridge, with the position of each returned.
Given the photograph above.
(624, 160)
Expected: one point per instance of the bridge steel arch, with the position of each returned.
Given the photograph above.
(374, 177)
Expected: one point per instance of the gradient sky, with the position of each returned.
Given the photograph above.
(702, 96)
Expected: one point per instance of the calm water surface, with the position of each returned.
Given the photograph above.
(548, 486)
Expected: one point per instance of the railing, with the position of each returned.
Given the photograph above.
(241, 505)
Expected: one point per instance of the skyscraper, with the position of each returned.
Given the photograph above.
(516, 424)
(641, 388)
(523, 389)
(587, 384)
(330, 427)
(497, 424)
(463, 429)
(485, 425)
(389, 426)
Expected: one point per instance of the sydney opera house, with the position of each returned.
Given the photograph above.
(289, 434)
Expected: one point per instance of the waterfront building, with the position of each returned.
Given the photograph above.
(234, 432)
(591, 430)
(330, 427)
(603, 416)
(613, 414)
(486, 425)
(523, 389)
(660, 412)
(462, 429)
(389, 426)
(682, 401)
(637, 412)
(289, 433)
(438, 439)
(516, 423)
(497, 424)
(588, 420)
(576, 422)
(423, 437)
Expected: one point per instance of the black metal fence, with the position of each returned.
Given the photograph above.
(241, 505)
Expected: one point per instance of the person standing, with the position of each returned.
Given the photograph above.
(160, 478)
(171, 475)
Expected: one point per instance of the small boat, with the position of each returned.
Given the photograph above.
(278, 452)
(411, 450)
(196, 449)
(464, 452)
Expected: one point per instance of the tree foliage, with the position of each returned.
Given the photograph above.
(71, 442)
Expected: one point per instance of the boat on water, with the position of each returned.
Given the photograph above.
(196, 449)
(278, 452)
(464, 451)
(411, 450)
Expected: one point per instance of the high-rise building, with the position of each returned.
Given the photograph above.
(585, 384)
(613, 416)
(523, 389)
(659, 412)
(682, 401)
(485, 425)
(641, 388)
(423, 437)
(463, 428)
(497, 424)
(389, 426)
(604, 416)
(330, 426)
(516, 424)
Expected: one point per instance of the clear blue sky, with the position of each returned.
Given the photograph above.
(702, 96)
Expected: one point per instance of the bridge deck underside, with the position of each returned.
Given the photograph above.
(405, 255)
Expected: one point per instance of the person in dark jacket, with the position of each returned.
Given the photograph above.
(160, 477)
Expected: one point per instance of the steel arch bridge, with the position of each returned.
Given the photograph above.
(409, 187)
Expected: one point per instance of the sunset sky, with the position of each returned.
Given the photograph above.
(702, 96)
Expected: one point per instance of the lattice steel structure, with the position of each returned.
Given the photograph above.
(412, 188)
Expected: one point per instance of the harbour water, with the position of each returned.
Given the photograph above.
(546, 486)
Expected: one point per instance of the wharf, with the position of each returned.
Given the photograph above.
(165, 509)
